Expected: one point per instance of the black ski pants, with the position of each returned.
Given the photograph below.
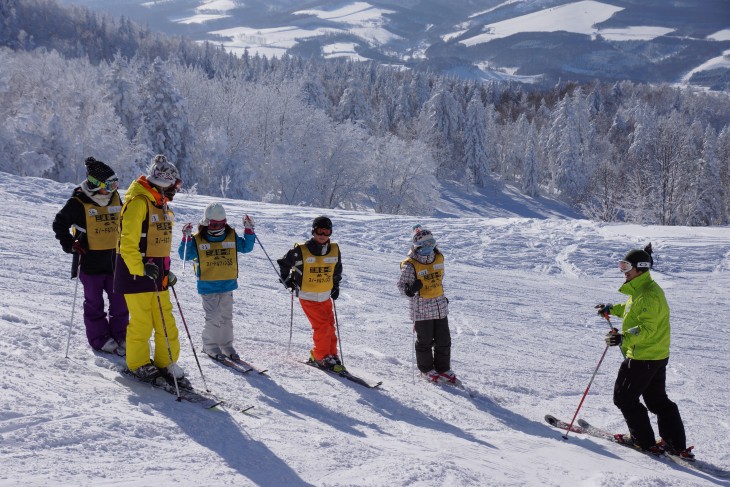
(433, 345)
(647, 379)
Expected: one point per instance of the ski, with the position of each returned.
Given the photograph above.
(223, 360)
(584, 427)
(346, 375)
(250, 366)
(204, 399)
(698, 465)
(456, 384)
(562, 425)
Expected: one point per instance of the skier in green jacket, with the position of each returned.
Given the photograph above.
(644, 340)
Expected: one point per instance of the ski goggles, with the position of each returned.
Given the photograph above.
(217, 224)
(322, 232)
(428, 243)
(625, 266)
(110, 184)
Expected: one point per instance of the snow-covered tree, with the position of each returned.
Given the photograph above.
(164, 127)
(475, 143)
(402, 176)
(706, 201)
(353, 104)
(530, 183)
(567, 148)
(441, 126)
(123, 94)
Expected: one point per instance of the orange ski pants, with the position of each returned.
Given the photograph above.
(322, 318)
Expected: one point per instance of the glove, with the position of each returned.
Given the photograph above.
(171, 279)
(412, 289)
(289, 283)
(613, 338)
(78, 247)
(248, 224)
(604, 310)
(151, 270)
(187, 232)
(335, 293)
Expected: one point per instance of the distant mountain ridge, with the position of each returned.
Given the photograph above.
(522, 40)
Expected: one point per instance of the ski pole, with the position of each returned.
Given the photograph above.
(565, 436)
(413, 354)
(185, 255)
(291, 326)
(337, 327)
(187, 330)
(167, 339)
(77, 268)
(291, 322)
(271, 261)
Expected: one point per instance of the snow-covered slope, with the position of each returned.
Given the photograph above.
(525, 341)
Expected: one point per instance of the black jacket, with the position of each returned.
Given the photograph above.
(94, 261)
(288, 262)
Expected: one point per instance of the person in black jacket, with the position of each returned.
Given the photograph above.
(87, 226)
(314, 269)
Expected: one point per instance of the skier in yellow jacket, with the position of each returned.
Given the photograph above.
(143, 273)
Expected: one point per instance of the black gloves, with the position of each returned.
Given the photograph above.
(171, 279)
(603, 310)
(151, 270)
(335, 293)
(78, 248)
(412, 289)
(613, 338)
(289, 282)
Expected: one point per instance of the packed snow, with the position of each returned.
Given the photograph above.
(721, 35)
(526, 341)
(719, 62)
(358, 18)
(634, 33)
(578, 17)
(342, 49)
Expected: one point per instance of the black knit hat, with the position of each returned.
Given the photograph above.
(97, 171)
(640, 259)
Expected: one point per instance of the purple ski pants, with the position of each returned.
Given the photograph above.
(99, 327)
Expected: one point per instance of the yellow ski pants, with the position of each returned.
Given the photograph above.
(144, 316)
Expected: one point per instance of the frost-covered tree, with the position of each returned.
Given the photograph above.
(475, 143)
(122, 92)
(567, 149)
(402, 176)
(441, 127)
(706, 201)
(9, 27)
(353, 103)
(530, 183)
(339, 171)
(722, 147)
(313, 92)
(164, 127)
(55, 116)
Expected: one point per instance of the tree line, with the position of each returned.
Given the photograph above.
(334, 133)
